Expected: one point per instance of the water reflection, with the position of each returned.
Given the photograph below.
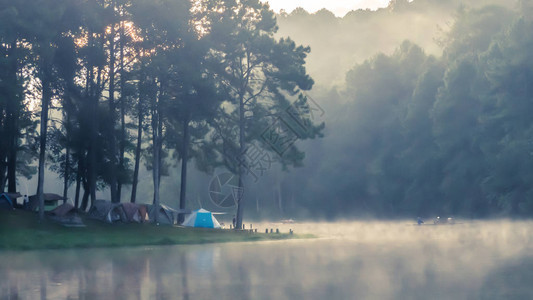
(351, 260)
(510, 281)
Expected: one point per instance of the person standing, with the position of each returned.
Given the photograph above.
(26, 203)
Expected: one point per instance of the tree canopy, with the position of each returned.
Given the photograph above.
(427, 105)
(109, 74)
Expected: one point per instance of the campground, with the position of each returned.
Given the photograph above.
(21, 230)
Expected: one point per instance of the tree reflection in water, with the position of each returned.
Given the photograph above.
(352, 259)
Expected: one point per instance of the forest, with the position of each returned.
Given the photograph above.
(417, 109)
(89, 88)
(432, 115)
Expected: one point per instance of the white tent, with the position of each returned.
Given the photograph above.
(201, 218)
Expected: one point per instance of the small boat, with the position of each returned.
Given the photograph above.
(437, 221)
(287, 221)
(449, 221)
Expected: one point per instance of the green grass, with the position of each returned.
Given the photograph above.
(21, 230)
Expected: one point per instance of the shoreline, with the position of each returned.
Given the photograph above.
(21, 231)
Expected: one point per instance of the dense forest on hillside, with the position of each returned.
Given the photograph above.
(418, 109)
(415, 132)
(337, 44)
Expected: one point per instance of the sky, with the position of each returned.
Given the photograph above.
(338, 7)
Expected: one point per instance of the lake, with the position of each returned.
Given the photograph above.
(347, 260)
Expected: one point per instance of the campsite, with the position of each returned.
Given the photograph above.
(21, 230)
(108, 224)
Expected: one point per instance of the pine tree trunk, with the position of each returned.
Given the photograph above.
(122, 110)
(184, 159)
(3, 150)
(3, 175)
(3, 164)
(82, 159)
(155, 167)
(240, 200)
(280, 200)
(78, 186)
(156, 123)
(111, 129)
(137, 160)
(137, 151)
(46, 95)
(67, 159)
(12, 114)
(12, 158)
(92, 92)
(86, 194)
(94, 134)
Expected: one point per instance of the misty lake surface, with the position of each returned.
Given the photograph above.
(348, 260)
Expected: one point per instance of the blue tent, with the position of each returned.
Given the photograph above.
(201, 218)
(7, 200)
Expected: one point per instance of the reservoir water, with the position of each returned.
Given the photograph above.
(347, 260)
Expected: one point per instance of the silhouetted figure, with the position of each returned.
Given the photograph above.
(26, 203)
(234, 221)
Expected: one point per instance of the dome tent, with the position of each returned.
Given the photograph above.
(201, 218)
(107, 211)
(8, 200)
(166, 214)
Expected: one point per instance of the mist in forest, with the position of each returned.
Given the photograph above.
(425, 105)
(339, 43)
(418, 109)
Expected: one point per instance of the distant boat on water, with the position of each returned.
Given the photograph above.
(287, 221)
(438, 221)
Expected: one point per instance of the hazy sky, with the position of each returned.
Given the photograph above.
(338, 7)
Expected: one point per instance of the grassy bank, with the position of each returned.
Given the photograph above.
(21, 230)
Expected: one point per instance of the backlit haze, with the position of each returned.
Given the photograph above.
(338, 7)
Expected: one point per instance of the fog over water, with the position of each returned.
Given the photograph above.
(347, 260)
(418, 108)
